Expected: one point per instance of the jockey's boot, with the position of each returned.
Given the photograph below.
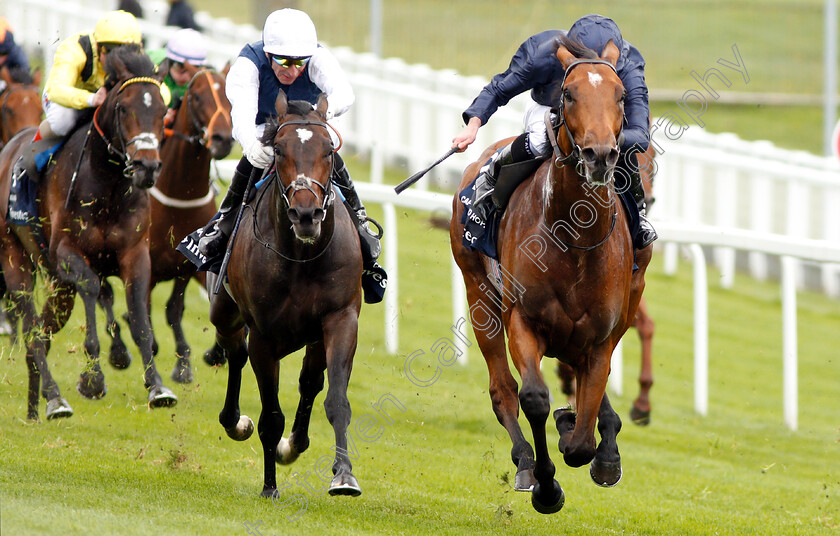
(371, 248)
(214, 238)
(486, 181)
(647, 234)
(26, 167)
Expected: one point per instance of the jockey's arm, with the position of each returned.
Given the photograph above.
(328, 75)
(637, 113)
(64, 75)
(242, 86)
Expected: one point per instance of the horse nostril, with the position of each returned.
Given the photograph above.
(612, 156)
(588, 155)
(294, 214)
(319, 214)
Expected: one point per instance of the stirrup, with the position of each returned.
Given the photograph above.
(380, 231)
(213, 242)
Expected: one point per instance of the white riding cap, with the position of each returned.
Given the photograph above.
(187, 45)
(289, 32)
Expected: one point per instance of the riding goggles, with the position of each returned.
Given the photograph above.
(286, 61)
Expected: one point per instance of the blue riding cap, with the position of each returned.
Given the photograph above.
(7, 44)
(595, 31)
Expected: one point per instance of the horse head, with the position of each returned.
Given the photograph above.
(208, 111)
(20, 102)
(591, 109)
(130, 121)
(303, 157)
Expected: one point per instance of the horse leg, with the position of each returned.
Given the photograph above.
(270, 427)
(640, 412)
(605, 469)
(135, 269)
(311, 383)
(119, 356)
(73, 269)
(567, 382)
(182, 373)
(340, 339)
(56, 312)
(527, 350)
(230, 339)
(577, 432)
(503, 388)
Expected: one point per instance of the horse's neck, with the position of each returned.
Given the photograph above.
(573, 210)
(186, 165)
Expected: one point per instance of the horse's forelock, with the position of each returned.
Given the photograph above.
(135, 60)
(296, 107)
(21, 75)
(576, 48)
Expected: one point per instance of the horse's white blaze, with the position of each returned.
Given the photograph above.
(302, 182)
(595, 79)
(304, 134)
(147, 99)
(217, 86)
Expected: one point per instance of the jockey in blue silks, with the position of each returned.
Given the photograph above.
(535, 67)
(288, 59)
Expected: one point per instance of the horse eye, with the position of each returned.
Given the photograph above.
(567, 95)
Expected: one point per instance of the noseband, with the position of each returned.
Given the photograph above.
(575, 154)
(140, 142)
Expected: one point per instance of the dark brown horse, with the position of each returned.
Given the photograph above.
(295, 281)
(94, 228)
(20, 107)
(640, 410)
(568, 289)
(182, 200)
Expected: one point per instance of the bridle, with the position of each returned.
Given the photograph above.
(205, 132)
(575, 154)
(142, 141)
(301, 185)
(560, 159)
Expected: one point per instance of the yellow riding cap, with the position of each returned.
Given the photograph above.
(117, 27)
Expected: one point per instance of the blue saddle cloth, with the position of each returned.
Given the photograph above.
(23, 193)
(374, 276)
(483, 236)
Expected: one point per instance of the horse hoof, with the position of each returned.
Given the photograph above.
(268, 493)
(564, 419)
(161, 396)
(215, 357)
(119, 356)
(243, 429)
(524, 480)
(92, 385)
(551, 503)
(605, 474)
(642, 418)
(6, 328)
(345, 484)
(182, 373)
(58, 408)
(286, 452)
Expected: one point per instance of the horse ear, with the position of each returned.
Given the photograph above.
(566, 58)
(611, 53)
(281, 104)
(37, 76)
(163, 69)
(322, 105)
(226, 69)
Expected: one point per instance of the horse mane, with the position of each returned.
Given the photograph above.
(135, 60)
(21, 75)
(272, 125)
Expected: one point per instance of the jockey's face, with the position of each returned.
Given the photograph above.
(179, 74)
(289, 72)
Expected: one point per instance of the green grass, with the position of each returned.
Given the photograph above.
(442, 466)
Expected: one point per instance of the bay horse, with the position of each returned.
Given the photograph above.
(644, 324)
(20, 107)
(182, 200)
(94, 228)
(294, 281)
(568, 287)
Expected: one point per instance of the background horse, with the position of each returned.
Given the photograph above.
(97, 227)
(640, 409)
(295, 280)
(182, 200)
(568, 289)
(20, 107)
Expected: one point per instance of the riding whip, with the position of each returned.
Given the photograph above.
(419, 175)
(226, 260)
